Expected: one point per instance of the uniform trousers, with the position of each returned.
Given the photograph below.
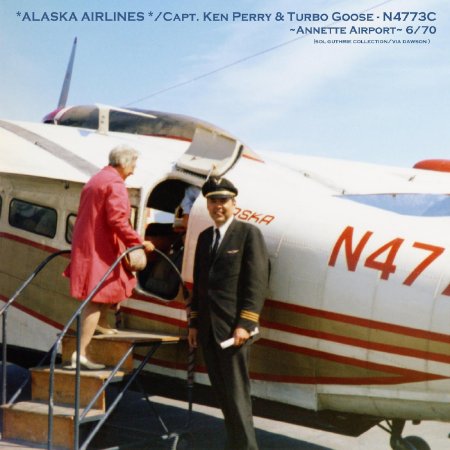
(228, 373)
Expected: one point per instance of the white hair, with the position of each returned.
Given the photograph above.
(123, 155)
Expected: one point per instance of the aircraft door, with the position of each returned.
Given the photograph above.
(167, 230)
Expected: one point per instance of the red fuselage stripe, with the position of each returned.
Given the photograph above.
(365, 323)
(386, 348)
(347, 360)
(24, 241)
(403, 375)
(154, 317)
(280, 305)
(33, 313)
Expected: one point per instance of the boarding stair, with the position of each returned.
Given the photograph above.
(68, 407)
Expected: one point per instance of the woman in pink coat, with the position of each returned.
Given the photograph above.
(102, 232)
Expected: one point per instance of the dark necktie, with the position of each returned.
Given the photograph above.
(215, 244)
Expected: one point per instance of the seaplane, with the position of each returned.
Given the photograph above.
(355, 330)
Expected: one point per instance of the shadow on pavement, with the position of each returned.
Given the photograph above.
(135, 425)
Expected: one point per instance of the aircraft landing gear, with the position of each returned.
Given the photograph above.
(395, 429)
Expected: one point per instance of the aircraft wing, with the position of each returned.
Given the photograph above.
(75, 154)
(358, 178)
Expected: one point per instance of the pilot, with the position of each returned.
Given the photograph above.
(230, 278)
(102, 232)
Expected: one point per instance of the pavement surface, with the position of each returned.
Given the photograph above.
(206, 430)
(135, 425)
(159, 422)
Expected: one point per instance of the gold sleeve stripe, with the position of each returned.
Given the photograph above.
(249, 315)
(193, 314)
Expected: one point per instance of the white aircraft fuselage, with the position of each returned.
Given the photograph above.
(356, 318)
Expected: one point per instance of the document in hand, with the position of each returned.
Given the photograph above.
(230, 342)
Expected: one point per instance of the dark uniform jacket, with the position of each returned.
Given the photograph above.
(229, 291)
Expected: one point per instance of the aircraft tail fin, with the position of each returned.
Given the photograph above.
(66, 85)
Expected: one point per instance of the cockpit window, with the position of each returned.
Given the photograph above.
(138, 123)
(80, 116)
(130, 123)
(168, 125)
(423, 205)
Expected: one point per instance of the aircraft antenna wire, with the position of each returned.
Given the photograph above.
(234, 63)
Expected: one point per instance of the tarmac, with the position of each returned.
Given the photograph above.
(161, 420)
(205, 430)
(135, 425)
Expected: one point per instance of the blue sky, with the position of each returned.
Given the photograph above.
(386, 104)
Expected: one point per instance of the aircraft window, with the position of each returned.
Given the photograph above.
(70, 223)
(163, 125)
(34, 218)
(80, 116)
(425, 205)
(131, 123)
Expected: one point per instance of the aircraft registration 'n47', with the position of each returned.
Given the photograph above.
(355, 329)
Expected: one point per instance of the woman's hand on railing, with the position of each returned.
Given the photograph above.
(148, 246)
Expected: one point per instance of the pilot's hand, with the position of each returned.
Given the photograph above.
(192, 337)
(241, 336)
(148, 246)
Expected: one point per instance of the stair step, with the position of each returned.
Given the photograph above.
(28, 421)
(19, 444)
(108, 349)
(64, 385)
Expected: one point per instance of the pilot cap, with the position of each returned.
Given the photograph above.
(216, 187)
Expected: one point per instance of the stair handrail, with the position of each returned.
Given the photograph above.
(4, 314)
(76, 315)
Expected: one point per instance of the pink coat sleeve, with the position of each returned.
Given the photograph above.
(118, 213)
